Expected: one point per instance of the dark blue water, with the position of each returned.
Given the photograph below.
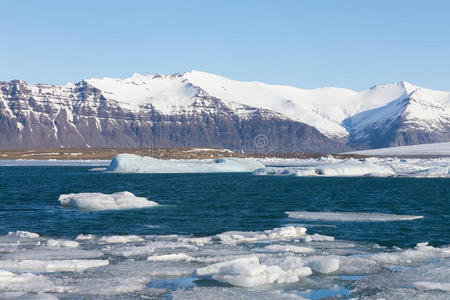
(206, 204)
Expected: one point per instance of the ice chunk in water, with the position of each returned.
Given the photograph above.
(324, 265)
(171, 257)
(10, 281)
(349, 216)
(24, 234)
(99, 201)
(62, 243)
(130, 163)
(426, 285)
(51, 265)
(249, 272)
(283, 233)
(288, 248)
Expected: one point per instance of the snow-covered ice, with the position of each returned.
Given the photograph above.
(130, 163)
(62, 243)
(426, 285)
(51, 265)
(349, 216)
(23, 234)
(99, 201)
(376, 167)
(249, 272)
(413, 150)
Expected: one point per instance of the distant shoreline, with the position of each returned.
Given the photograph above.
(78, 154)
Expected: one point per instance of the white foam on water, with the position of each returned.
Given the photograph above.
(99, 201)
(130, 163)
(349, 216)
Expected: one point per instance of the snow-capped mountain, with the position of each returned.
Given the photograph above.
(201, 109)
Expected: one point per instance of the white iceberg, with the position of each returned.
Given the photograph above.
(349, 216)
(99, 201)
(130, 163)
(375, 167)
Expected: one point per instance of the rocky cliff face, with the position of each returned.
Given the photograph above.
(43, 116)
(204, 110)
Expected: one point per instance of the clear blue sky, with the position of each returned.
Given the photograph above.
(353, 44)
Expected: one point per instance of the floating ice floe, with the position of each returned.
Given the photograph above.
(376, 167)
(62, 243)
(130, 163)
(99, 201)
(426, 285)
(249, 272)
(23, 234)
(51, 265)
(284, 233)
(251, 264)
(23, 282)
(349, 216)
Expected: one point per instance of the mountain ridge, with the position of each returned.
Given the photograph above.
(203, 106)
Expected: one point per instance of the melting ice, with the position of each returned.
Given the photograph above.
(281, 263)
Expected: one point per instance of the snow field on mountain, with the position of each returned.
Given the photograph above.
(325, 108)
(269, 261)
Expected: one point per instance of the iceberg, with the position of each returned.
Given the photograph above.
(374, 167)
(130, 163)
(99, 201)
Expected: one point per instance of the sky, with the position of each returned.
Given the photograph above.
(307, 44)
